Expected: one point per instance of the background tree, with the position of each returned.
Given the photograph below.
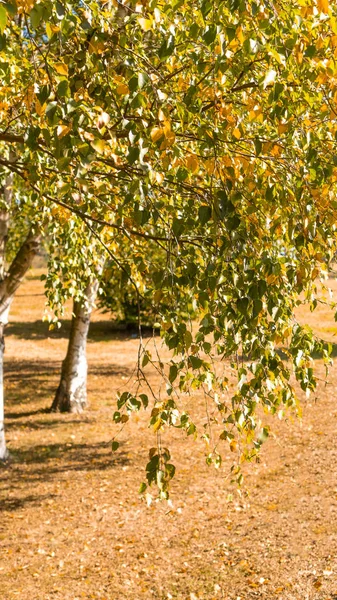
(71, 394)
(76, 261)
(208, 129)
(78, 269)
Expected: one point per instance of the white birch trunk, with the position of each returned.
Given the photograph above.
(8, 286)
(71, 394)
(4, 224)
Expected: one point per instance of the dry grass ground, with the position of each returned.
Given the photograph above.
(72, 525)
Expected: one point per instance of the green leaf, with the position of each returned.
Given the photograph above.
(35, 16)
(210, 35)
(145, 360)
(117, 416)
(133, 155)
(173, 373)
(242, 305)
(3, 18)
(177, 227)
(123, 399)
(63, 88)
(195, 362)
(145, 400)
(166, 48)
(205, 213)
(206, 7)
(11, 7)
(258, 146)
(51, 111)
(114, 446)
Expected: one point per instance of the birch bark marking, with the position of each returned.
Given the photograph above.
(71, 394)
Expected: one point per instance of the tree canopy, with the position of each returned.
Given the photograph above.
(208, 130)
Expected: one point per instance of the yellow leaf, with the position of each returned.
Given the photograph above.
(233, 44)
(333, 23)
(192, 163)
(237, 133)
(170, 138)
(282, 128)
(145, 24)
(276, 150)
(62, 130)
(157, 425)
(99, 146)
(49, 31)
(40, 108)
(161, 115)
(210, 166)
(156, 134)
(167, 127)
(61, 68)
(323, 5)
(122, 89)
(233, 445)
(239, 35)
(95, 46)
(29, 97)
(321, 78)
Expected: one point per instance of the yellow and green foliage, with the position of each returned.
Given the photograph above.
(207, 129)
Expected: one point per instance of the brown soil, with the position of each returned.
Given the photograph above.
(73, 526)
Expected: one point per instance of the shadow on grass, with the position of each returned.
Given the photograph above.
(47, 462)
(100, 331)
(12, 504)
(75, 457)
(27, 381)
(39, 424)
(25, 415)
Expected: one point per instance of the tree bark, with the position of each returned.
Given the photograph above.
(8, 286)
(71, 394)
(4, 225)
